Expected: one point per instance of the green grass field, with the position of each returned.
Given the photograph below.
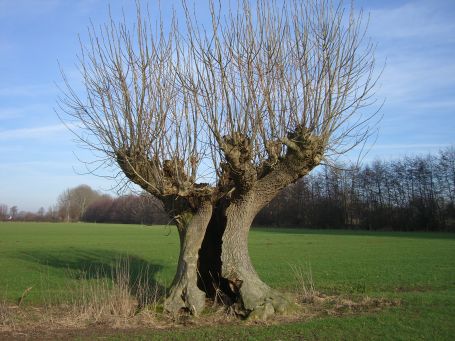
(416, 268)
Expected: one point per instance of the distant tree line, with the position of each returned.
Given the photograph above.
(82, 203)
(71, 204)
(412, 193)
(13, 214)
(129, 209)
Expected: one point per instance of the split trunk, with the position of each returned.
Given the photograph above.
(214, 263)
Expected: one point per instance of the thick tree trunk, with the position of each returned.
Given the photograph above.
(214, 259)
(257, 299)
(226, 272)
(184, 294)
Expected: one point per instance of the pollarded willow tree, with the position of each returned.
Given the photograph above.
(216, 119)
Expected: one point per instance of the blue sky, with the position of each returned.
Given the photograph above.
(39, 158)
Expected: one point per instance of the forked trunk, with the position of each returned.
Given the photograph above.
(226, 272)
(214, 260)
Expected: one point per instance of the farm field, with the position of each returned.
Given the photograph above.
(415, 269)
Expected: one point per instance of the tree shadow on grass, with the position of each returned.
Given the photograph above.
(113, 267)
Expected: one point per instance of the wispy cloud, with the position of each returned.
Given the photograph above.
(8, 150)
(410, 146)
(385, 151)
(34, 90)
(31, 165)
(444, 104)
(32, 133)
(417, 40)
(9, 113)
(414, 19)
(411, 80)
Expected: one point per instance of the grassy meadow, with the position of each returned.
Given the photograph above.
(46, 261)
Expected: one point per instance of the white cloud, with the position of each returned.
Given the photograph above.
(9, 113)
(444, 104)
(414, 19)
(405, 146)
(32, 166)
(32, 133)
(417, 41)
(387, 151)
(34, 90)
(414, 79)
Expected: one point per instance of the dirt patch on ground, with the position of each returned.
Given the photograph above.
(69, 322)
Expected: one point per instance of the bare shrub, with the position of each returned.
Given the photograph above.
(305, 283)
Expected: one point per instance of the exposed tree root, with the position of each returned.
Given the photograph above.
(185, 296)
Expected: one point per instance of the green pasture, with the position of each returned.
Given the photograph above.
(416, 268)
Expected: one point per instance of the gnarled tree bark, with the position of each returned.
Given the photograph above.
(184, 293)
(254, 297)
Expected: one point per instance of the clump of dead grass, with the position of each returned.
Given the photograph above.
(305, 288)
(314, 303)
(5, 314)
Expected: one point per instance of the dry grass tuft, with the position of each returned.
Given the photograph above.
(305, 285)
(115, 299)
(340, 306)
(315, 303)
(6, 315)
(24, 295)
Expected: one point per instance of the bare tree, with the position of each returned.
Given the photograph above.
(13, 212)
(216, 120)
(73, 202)
(3, 212)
